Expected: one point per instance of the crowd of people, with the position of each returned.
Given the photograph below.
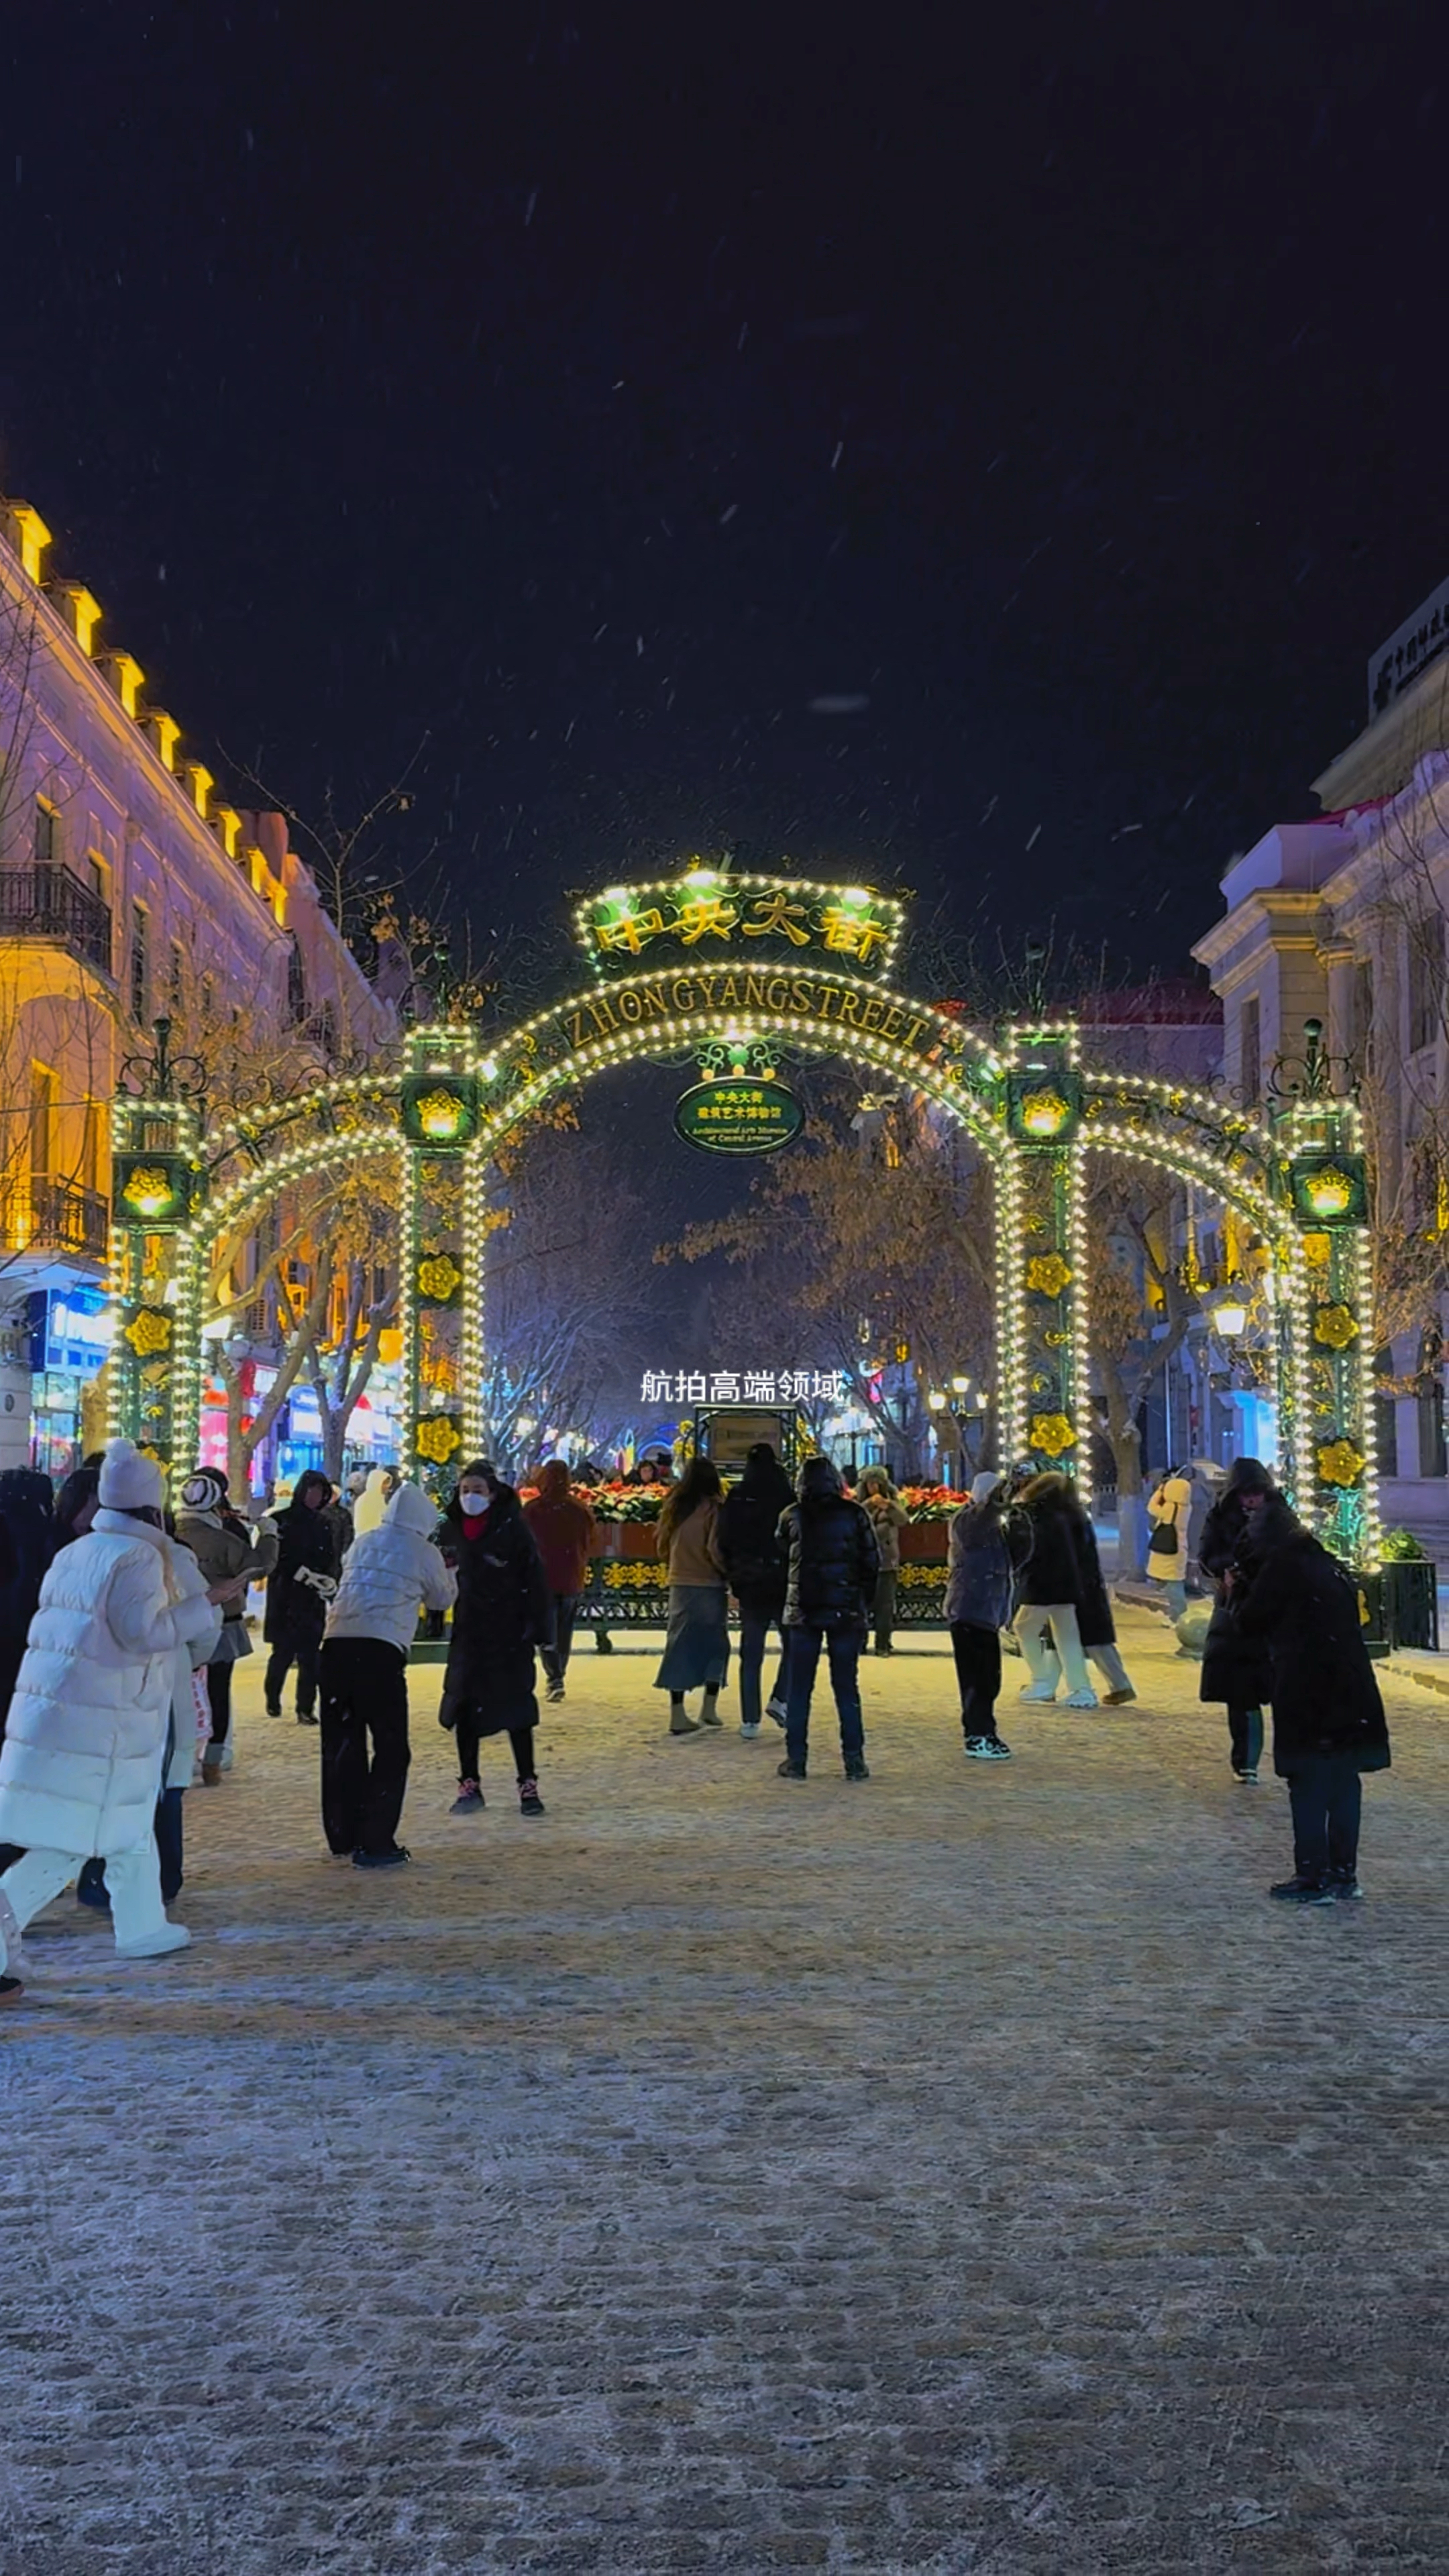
(119, 1630)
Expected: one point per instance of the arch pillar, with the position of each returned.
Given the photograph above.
(441, 1252)
(1042, 1255)
(1326, 1329)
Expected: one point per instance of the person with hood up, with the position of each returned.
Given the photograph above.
(830, 1593)
(227, 1551)
(299, 1587)
(888, 1517)
(503, 1612)
(1286, 1591)
(82, 1764)
(1051, 1592)
(989, 1539)
(564, 1531)
(1168, 1512)
(697, 1648)
(389, 1572)
(756, 1566)
(1236, 1667)
(372, 1502)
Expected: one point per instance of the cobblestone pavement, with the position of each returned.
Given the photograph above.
(966, 2171)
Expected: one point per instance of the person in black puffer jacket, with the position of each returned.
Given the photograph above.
(1051, 1591)
(834, 1562)
(1328, 1717)
(748, 1531)
(1236, 1667)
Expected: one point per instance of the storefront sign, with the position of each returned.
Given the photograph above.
(738, 1116)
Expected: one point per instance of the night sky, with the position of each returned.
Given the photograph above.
(1059, 388)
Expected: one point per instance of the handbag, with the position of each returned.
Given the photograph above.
(1163, 1541)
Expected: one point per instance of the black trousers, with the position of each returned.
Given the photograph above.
(978, 1671)
(302, 1647)
(364, 1694)
(556, 1656)
(218, 1692)
(1245, 1734)
(1326, 1796)
(469, 1739)
(885, 1607)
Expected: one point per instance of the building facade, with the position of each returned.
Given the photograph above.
(1341, 920)
(129, 893)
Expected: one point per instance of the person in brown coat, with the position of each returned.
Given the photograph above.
(564, 1531)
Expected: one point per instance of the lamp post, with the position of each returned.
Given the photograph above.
(960, 1406)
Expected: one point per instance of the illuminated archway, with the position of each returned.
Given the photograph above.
(806, 985)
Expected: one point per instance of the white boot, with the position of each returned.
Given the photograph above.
(154, 1945)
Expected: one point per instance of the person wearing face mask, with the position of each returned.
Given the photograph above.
(504, 1611)
(86, 1744)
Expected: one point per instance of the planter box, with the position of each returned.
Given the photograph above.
(925, 1542)
(637, 1538)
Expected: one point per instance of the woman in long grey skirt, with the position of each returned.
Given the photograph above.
(697, 1650)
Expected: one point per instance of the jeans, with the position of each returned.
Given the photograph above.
(885, 1607)
(301, 1647)
(1032, 1621)
(1326, 1796)
(755, 1626)
(469, 1739)
(1245, 1733)
(1175, 1593)
(978, 1671)
(556, 1656)
(364, 1694)
(843, 1646)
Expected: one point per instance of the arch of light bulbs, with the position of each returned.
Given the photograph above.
(935, 1073)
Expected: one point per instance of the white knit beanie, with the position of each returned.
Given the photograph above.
(984, 1485)
(129, 1482)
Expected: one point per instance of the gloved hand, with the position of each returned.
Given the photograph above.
(323, 1584)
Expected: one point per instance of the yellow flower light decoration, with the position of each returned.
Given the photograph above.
(437, 1438)
(1048, 1273)
(1339, 1463)
(1335, 1327)
(440, 1114)
(1317, 1250)
(1044, 1113)
(1329, 1192)
(1052, 1433)
(148, 1332)
(149, 1190)
(439, 1277)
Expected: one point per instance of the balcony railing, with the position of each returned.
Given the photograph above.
(47, 902)
(46, 1216)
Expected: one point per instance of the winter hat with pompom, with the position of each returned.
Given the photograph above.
(129, 1482)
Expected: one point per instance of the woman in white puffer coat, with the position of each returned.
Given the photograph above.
(86, 1741)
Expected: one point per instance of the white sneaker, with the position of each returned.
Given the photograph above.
(746, 1729)
(169, 1936)
(1080, 1699)
(775, 1708)
(1039, 1692)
